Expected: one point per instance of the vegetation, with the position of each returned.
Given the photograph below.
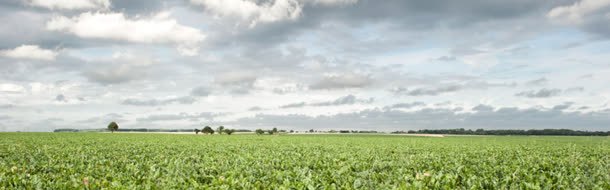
(166, 161)
(556, 132)
(207, 130)
(229, 131)
(113, 126)
(259, 131)
(220, 129)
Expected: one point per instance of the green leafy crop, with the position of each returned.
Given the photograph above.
(167, 161)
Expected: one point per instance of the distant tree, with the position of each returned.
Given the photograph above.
(197, 131)
(311, 130)
(229, 131)
(259, 131)
(113, 127)
(207, 130)
(220, 129)
(270, 132)
(291, 131)
(274, 130)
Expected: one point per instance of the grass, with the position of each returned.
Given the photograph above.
(167, 161)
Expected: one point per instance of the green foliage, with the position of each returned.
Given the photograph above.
(170, 161)
(229, 131)
(220, 129)
(197, 131)
(113, 126)
(259, 131)
(207, 130)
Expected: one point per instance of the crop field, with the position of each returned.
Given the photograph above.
(170, 161)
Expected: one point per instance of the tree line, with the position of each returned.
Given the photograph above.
(462, 131)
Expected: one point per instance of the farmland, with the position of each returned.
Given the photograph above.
(168, 161)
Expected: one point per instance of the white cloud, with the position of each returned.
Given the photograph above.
(70, 4)
(266, 12)
(11, 88)
(29, 52)
(246, 10)
(157, 29)
(341, 81)
(574, 13)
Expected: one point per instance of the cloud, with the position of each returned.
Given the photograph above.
(274, 11)
(30, 52)
(237, 82)
(70, 4)
(425, 91)
(121, 67)
(159, 102)
(542, 93)
(11, 88)
(589, 15)
(344, 100)
(255, 108)
(537, 82)
(342, 81)
(387, 120)
(235, 78)
(60, 98)
(294, 105)
(157, 29)
(577, 11)
(405, 105)
(181, 116)
(200, 91)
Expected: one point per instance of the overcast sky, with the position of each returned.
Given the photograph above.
(305, 64)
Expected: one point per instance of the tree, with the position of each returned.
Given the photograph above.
(229, 131)
(197, 131)
(113, 127)
(207, 130)
(259, 131)
(311, 130)
(274, 131)
(220, 129)
(270, 132)
(291, 131)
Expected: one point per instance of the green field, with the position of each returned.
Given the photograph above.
(170, 161)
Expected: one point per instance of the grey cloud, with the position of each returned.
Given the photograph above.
(375, 119)
(483, 108)
(342, 81)
(447, 88)
(6, 106)
(200, 91)
(60, 98)
(542, 93)
(114, 74)
(5, 117)
(425, 91)
(159, 102)
(574, 89)
(345, 100)
(180, 116)
(104, 119)
(255, 108)
(537, 82)
(404, 105)
(294, 105)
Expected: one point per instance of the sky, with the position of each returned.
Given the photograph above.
(305, 64)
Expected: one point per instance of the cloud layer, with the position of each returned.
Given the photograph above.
(303, 64)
